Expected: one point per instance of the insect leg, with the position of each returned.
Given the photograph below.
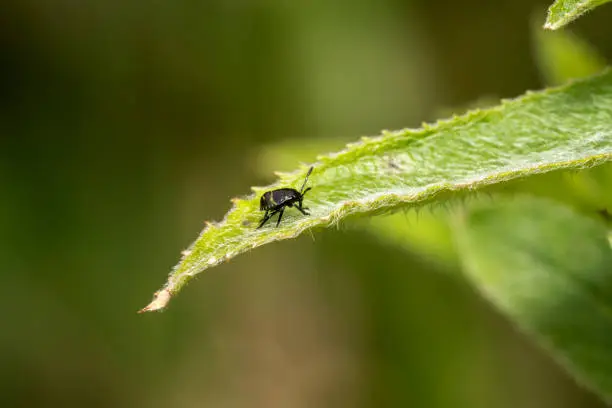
(302, 209)
(265, 218)
(280, 216)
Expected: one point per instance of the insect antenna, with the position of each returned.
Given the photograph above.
(306, 180)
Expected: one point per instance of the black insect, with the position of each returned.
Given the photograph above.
(275, 201)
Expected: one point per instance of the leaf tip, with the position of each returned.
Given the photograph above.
(160, 301)
(550, 26)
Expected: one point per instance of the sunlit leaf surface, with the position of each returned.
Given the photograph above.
(562, 128)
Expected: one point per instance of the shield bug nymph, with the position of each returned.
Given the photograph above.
(275, 201)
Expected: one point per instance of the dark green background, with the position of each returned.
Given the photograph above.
(124, 125)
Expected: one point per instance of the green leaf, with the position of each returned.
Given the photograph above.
(550, 270)
(561, 56)
(563, 128)
(563, 12)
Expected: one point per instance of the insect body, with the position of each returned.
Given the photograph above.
(275, 201)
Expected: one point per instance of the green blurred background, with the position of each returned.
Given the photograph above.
(126, 124)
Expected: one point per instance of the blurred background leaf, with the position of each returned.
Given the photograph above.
(561, 56)
(548, 268)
